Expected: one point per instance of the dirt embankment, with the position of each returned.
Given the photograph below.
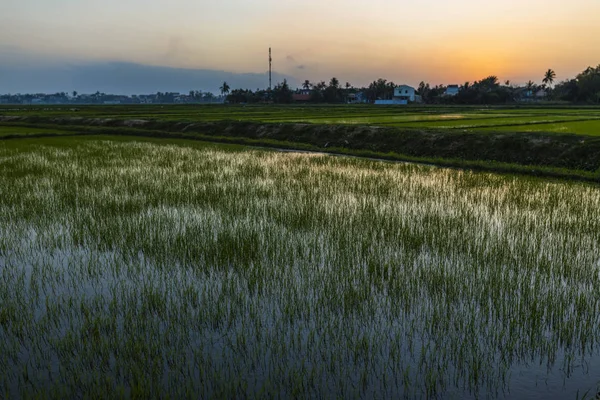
(567, 151)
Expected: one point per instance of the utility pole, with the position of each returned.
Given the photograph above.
(270, 65)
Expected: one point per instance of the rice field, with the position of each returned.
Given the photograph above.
(523, 118)
(24, 131)
(135, 268)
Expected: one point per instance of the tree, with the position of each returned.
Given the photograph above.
(380, 89)
(588, 84)
(307, 85)
(423, 91)
(549, 77)
(348, 85)
(489, 83)
(224, 88)
(332, 92)
(317, 94)
(282, 93)
(530, 86)
(334, 83)
(74, 93)
(320, 86)
(566, 91)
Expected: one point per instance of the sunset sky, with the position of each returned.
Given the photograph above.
(438, 41)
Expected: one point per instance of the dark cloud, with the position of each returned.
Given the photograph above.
(301, 66)
(122, 78)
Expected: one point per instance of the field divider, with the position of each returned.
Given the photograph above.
(566, 156)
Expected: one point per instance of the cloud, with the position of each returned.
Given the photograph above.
(123, 78)
(174, 47)
(301, 66)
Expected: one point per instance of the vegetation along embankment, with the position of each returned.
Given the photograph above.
(562, 155)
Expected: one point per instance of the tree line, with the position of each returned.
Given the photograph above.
(584, 88)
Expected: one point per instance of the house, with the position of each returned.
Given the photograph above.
(452, 90)
(356, 98)
(301, 96)
(540, 94)
(525, 94)
(403, 94)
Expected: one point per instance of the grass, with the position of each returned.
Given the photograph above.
(520, 118)
(551, 141)
(154, 268)
(550, 154)
(8, 131)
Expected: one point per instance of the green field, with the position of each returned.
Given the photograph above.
(579, 120)
(155, 268)
(556, 141)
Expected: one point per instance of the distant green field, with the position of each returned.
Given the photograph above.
(526, 139)
(578, 120)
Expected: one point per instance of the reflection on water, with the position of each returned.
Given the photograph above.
(145, 269)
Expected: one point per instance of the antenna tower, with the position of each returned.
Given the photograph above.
(270, 63)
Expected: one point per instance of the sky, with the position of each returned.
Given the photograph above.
(357, 41)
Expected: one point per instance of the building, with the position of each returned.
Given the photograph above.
(452, 90)
(301, 96)
(403, 94)
(356, 98)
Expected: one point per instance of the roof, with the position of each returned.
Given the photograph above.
(301, 97)
(405, 87)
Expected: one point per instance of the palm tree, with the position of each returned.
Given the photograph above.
(306, 85)
(321, 85)
(549, 77)
(224, 88)
(530, 85)
(334, 83)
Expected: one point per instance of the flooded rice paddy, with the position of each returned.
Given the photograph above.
(141, 269)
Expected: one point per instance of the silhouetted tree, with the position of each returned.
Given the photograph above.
(317, 95)
(588, 84)
(282, 93)
(224, 88)
(549, 77)
(332, 92)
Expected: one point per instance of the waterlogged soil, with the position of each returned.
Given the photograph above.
(576, 152)
(567, 376)
(148, 268)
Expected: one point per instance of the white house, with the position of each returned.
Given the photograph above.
(404, 94)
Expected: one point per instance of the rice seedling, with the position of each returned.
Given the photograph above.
(135, 268)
